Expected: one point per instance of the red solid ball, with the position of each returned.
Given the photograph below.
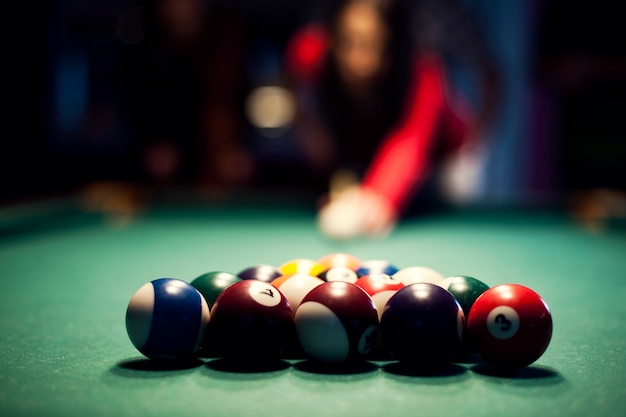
(381, 287)
(375, 283)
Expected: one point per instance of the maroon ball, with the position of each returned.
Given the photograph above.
(337, 322)
(251, 320)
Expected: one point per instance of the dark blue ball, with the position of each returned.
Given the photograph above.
(376, 266)
(422, 325)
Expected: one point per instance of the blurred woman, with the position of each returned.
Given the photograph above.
(375, 114)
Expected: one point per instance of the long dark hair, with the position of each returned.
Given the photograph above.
(360, 124)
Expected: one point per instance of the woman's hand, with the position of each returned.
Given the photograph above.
(356, 212)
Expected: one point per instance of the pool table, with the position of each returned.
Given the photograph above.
(68, 275)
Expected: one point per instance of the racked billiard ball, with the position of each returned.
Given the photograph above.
(465, 289)
(261, 272)
(166, 319)
(380, 287)
(295, 287)
(510, 325)
(422, 326)
(251, 321)
(340, 259)
(376, 266)
(213, 283)
(301, 266)
(415, 274)
(337, 323)
(339, 273)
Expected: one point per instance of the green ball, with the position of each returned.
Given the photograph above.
(465, 289)
(211, 284)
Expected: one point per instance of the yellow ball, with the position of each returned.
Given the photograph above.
(302, 266)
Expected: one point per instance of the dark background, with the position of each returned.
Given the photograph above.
(561, 128)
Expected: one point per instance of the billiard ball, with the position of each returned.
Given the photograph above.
(415, 274)
(380, 287)
(166, 319)
(465, 289)
(374, 283)
(510, 325)
(339, 273)
(337, 323)
(278, 281)
(211, 284)
(422, 325)
(340, 259)
(301, 266)
(261, 272)
(295, 287)
(251, 321)
(376, 266)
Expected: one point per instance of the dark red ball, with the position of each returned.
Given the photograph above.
(251, 320)
(336, 323)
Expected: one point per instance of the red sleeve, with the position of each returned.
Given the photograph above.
(402, 161)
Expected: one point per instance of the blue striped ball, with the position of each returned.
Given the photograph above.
(376, 266)
(166, 319)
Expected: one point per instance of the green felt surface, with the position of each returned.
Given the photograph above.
(67, 277)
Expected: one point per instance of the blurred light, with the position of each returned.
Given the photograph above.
(130, 26)
(338, 289)
(71, 94)
(175, 287)
(506, 292)
(271, 107)
(306, 50)
(421, 292)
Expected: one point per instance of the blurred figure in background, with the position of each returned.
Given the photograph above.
(376, 111)
(184, 85)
